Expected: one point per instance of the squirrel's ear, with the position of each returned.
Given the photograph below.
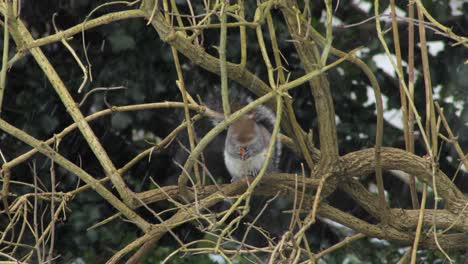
(250, 115)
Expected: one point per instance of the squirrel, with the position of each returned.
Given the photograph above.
(247, 141)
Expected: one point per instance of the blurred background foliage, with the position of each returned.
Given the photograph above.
(129, 53)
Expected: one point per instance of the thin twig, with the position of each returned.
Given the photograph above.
(99, 89)
(6, 40)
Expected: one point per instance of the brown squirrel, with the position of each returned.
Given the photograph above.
(247, 142)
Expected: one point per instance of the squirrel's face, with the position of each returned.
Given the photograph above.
(243, 136)
(243, 131)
